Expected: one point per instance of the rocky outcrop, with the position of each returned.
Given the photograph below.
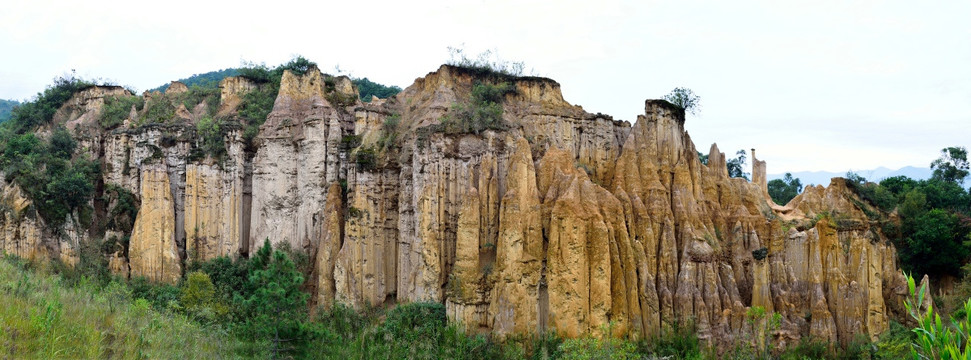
(555, 220)
(20, 232)
(153, 251)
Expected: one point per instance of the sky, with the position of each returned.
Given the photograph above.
(811, 85)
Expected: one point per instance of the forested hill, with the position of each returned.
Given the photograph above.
(6, 106)
(207, 80)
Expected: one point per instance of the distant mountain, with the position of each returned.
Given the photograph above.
(6, 106)
(210, 79)
(823, 177)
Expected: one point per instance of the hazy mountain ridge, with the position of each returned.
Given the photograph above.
(824, 177)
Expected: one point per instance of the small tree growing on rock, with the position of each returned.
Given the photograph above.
(685, 99)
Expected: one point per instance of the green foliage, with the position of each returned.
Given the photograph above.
(702, 157)
(482, 112)
(6, 108)
(389, 131)
(873, 193)
(933, 245)
(369, 89)
(117, 109)
(123, 208)
(198, 95)
(684, 98)
(61, 145)
(952, 166)
(206, 80)
(158, 110)
(91, 321)
(366, 159)
(736, 166)
(783, 190)
(212, 133)
(760, 253)
(44, 170)
(679, 341)
(40, 111)
(277, 308)
(936, 339)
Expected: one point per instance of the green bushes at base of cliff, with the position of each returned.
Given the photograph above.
(253, 308)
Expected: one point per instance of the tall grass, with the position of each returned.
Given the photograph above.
(41, 317)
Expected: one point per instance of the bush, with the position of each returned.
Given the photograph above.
(679, 341)
(389, 131)
(482, 112)
(369, 89)
(212, 137)
(366, 159)
(604, 347)
(40, 111)
(117, 109)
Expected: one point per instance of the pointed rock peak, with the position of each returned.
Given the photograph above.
(716, 162)
(176, 88)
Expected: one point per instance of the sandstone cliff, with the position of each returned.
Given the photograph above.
(560, 220)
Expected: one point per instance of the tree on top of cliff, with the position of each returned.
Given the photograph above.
(952, 166)
(685, 99)
(736, 165)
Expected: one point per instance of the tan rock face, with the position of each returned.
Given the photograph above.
(564, 221)
(299, 155)
(153, 252)
(231, 92)
(330, 244)
(20, 232)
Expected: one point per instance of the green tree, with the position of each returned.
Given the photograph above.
(685, 99)
(783, 190)
(277, 308)
(935, 243)
(952, 166)
(369, 89)
(62, 145)
(736, 165)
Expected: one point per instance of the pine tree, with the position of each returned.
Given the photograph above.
(277, 307)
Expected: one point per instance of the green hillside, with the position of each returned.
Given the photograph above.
(206, 80)
(6, 107)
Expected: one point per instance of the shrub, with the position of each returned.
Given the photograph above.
(482, 112)
(117, 109)
(369, 89)
(679, 341)
(41, 110)
(604, 347)
(366, 159)
(212, 134)
(389, 131)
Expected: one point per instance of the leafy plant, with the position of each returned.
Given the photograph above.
(936, 339)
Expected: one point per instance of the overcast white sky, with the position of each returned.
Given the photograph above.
(812, 85)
